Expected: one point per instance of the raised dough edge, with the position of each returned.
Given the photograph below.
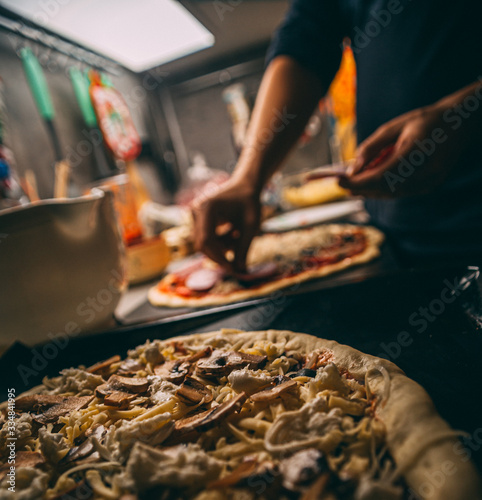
(410, 418)
(374, 240)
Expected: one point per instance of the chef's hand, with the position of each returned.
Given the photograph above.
(227, 221)
(424, 152)
(287, 96)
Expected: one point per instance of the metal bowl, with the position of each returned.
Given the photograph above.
(62, 269)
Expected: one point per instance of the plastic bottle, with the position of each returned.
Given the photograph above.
(11, 194)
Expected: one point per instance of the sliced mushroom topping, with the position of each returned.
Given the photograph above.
(242, 359)
(85, 449)
(210, 418)
(302, 468)
(274, 392)
(304, 372)
(69, 405)
(222, 363)
(245, 475)
(29, 459)
(38, 402)
(154, 355)
(173, 371)
(23, 459)
(101, 391)
(214, 366)
(179, 347)
(136, 385)
(130, 367)
(78, 452)
(202, 353)
(279, 379)
(193, 392)
(119, 399)
(103, 365)
(113, 397)
(97, 431)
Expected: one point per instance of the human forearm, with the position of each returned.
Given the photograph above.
(462, 113)
(428, 143)
(286, 99)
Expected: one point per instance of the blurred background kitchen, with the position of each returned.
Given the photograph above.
(149, 100)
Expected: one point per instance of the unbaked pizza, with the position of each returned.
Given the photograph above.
(275, 261)
(234, 415)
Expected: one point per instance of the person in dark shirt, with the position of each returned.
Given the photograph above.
(419, 88)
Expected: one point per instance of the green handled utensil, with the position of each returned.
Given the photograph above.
(40, 91)
(81, 89)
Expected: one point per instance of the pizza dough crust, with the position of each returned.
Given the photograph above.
(374, 239)
(424, 447)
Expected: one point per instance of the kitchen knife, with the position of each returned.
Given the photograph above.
(38, 86)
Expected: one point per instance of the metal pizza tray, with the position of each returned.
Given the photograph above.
(145, 313)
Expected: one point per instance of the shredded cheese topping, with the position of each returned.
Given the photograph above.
(318, 408)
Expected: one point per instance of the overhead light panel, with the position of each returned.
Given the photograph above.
(138, 34)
